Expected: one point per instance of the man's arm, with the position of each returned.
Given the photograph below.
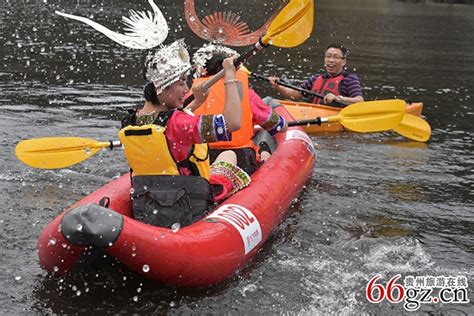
(350, 91)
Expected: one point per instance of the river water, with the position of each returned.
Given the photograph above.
(376, 203)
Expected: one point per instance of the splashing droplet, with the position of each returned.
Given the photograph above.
(146, 268)
(175, 227)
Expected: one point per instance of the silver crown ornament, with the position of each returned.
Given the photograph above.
(204, 53)
(167, 65)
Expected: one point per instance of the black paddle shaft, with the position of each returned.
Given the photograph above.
(306, 122)
(303, 91)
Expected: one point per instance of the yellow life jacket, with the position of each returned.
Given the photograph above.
(214, 104)
(147, 151)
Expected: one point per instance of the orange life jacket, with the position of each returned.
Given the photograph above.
(215, 105)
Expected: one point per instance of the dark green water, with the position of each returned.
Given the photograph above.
(376, 203)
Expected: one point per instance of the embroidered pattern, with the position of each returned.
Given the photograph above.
(146, 118)
(213, 129)
(273, 120)
(206, 128)
(220, 128)
(239, 178)
(278, 127)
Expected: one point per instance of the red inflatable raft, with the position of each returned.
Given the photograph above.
(201, 254)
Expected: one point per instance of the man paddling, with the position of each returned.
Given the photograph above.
(338, 86)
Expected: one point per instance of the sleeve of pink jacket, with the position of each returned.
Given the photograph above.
(263, 115)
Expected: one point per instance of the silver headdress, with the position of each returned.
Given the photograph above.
(203, 54)
(167, 65)
(145, 30)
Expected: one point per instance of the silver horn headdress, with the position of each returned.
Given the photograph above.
(144, 30)
(167, 65)
(206, 52)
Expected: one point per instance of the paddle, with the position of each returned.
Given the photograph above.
(59, 152)
(412, 126)
(290, 28)
(364, 117)
(289, 85)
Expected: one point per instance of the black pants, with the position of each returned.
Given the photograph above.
(246, 158)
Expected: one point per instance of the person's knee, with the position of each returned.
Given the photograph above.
(228, 156)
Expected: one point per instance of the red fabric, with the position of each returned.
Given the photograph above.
(182, 131)
(227, 186)
(261, 112)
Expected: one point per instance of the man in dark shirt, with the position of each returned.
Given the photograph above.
(335, 84)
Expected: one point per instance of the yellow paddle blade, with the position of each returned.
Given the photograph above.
(292, 26)
(371, 116)
(414, 127)
(245, 70)
(57, 152)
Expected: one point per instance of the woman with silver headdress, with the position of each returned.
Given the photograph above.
(166, 147)
(250, 150)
